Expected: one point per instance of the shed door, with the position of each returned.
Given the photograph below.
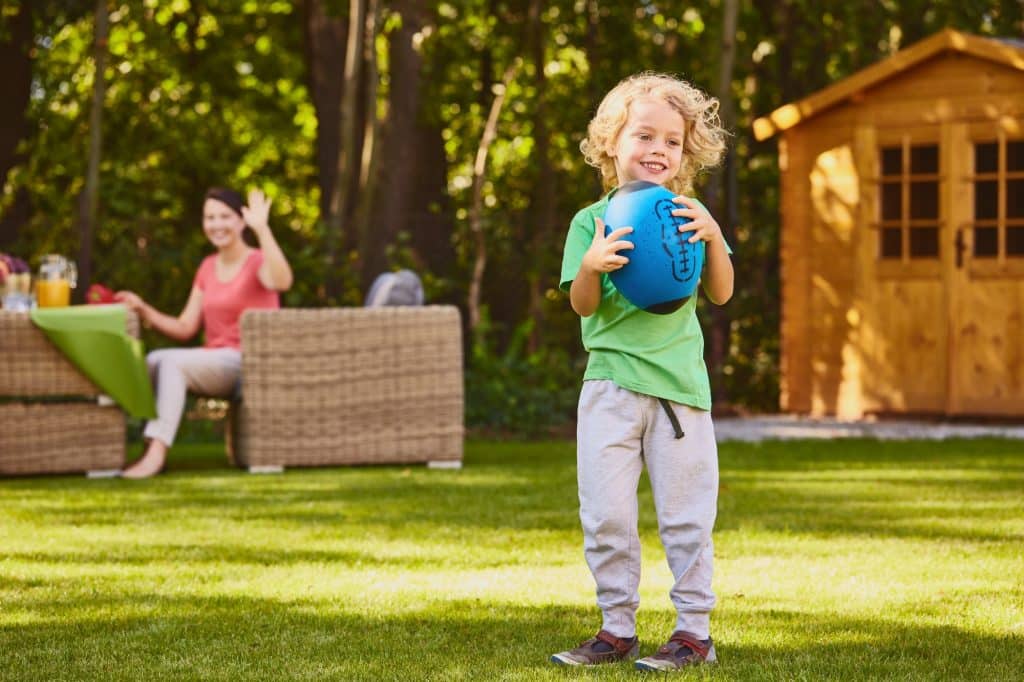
(949, 272)
(906, 345)
(987, 344)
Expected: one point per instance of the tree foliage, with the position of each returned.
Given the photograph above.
(245, 93)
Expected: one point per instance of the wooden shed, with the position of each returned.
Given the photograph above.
(902, 235)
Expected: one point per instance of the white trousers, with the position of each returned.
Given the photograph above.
(618, 432)
(212, 372)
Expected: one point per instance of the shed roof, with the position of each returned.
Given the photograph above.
(1007, 52)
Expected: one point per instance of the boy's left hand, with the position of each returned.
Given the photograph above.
(703, 224)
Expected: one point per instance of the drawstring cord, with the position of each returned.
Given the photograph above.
(672, 418)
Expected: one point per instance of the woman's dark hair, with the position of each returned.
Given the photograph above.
(229, 197)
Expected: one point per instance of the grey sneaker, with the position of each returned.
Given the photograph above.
(603, 648)
(682, 649)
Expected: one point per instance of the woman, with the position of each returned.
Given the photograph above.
(227, 283)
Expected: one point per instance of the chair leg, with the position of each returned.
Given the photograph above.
(445, 464)
(266, 469)
(103, 473)
(231, 444)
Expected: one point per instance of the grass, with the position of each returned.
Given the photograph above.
(834, 560)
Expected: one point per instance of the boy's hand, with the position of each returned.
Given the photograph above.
(603, 256)
(704, 226)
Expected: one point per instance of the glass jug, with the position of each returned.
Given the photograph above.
(57, 277)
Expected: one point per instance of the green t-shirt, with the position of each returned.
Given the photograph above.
(657, 355)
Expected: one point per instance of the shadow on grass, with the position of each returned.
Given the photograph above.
(231, 638)
(490, 492)
(956, 490)
(96, 628)
(960, 490)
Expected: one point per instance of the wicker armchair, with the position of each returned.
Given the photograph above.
(52, 418)
(340, 386)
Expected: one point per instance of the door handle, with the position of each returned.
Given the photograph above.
(960, 245)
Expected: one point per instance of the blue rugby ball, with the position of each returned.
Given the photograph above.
(663, 268)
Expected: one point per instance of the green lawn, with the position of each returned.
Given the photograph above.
(835, 560)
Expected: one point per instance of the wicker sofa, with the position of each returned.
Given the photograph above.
(341, 386)
(52, 418)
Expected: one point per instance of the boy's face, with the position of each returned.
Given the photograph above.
(650, 144)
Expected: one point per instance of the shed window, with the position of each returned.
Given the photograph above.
(909, 202)
(998, 199)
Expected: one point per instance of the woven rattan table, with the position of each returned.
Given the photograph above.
(339, 386)
(52, 418)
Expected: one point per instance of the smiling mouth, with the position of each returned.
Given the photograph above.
(654, 167)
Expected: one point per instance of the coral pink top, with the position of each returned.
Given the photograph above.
(224, 302)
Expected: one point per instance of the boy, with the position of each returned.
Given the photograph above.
(646, 397)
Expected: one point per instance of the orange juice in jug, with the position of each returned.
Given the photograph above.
(57, 277)
(53, 293)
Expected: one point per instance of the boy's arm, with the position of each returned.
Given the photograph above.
(719, 277)
(585, 292)
(602, 256)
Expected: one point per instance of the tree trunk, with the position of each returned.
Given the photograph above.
(15, 87)
(592, 44)
(543, 200)
(338, 222)
(400, 164)
(89, 199)
(786, 18)
(326, 38)
(476, 225)
(430, 220)
(411, 192)
(722, 199)
(365, 191)
(411, 182)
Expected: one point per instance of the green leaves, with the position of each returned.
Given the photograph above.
(198, 96)
(216, 93)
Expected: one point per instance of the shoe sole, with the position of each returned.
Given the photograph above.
(563, 659)
(557, 659)
(658, 665)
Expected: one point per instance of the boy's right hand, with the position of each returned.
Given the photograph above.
(603, 254)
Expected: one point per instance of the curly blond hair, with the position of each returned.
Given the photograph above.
(704, 141)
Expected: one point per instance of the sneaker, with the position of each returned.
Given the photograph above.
(682, 649)
(604, 648)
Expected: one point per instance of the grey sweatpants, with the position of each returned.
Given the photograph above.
(618, 432)
(212, 372)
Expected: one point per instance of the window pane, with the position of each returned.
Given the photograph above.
(986, 157)
(924, 242)
(924, 159)
(1015, 241)
(892, 244)
(892, 201)
(924, 200)
(986, 241)
(892, 160)
(1015, 156)
(986, 194)
(1015, 198)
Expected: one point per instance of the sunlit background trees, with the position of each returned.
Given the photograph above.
(440, 136)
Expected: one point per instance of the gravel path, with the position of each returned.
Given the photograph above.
(789, 427)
